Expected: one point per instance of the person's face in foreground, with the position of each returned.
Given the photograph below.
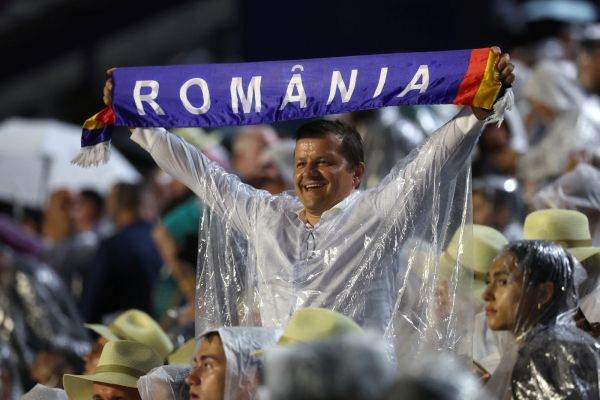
(322, 177)
(503, 293)
(91, 359)
(207, 377)
(105, 391)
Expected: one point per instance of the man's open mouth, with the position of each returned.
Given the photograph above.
(314, 186)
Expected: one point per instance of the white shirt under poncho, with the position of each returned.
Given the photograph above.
(348, 261)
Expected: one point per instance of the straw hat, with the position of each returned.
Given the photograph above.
(479, 251)
(311, 324)
(138, 326)
(184, 354)
(121, 363)
(568, 228)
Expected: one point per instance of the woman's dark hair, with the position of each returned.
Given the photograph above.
(543, 261)
(351, 147)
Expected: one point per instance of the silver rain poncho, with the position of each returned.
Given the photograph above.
(552, 358)
(259, 261)
(166, 382)
(340, 368)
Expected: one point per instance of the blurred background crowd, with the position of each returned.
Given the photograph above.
(71, 239)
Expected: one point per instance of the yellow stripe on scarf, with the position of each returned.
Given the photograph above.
(490, 84)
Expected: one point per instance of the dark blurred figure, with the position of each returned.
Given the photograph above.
(588, 60)
(126, 265)
(57, 220)
(39, 320)
(498, 203)
(495, 155)
(72, 256)
(88, 209)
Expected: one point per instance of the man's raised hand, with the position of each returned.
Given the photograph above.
(108, 87)
(505, 73)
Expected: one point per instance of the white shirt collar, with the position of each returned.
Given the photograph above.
(339, 207)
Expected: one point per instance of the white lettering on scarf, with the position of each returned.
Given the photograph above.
(205, 95)
(253, 93)
(149, 98)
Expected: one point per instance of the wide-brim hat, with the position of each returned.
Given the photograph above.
(184, 354)
(121, 363)
(568, 228)
(480, 245)
(138, 326)
(312, 324)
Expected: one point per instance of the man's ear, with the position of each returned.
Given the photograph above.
(359, 171)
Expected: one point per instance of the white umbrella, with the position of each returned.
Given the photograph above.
(35, 156)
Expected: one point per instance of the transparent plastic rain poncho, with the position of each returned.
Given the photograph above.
(240, 345)
(243, 364)
(552, 358)
(342, 367)
(166, 382)
(573, 131)
(259, 262)
(579, 190)
(41, 392)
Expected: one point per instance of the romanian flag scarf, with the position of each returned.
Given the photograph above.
(214, 95)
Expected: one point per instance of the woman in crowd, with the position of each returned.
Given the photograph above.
(532, 293)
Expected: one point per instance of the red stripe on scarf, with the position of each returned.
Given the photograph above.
(472, 79)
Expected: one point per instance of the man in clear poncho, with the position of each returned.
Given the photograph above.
(532, 293)
(330, 245)
(225, 366)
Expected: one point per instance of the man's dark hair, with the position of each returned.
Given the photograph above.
(128, 196)
(351, 146)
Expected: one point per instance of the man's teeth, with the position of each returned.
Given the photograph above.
(314, 185)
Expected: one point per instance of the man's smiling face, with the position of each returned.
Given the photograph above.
(323, 177)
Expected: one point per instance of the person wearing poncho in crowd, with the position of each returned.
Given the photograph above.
(571, 230)
(121, 364)
(532, 292)
(132, 325)
(482, 245)
(331, 246)
(167, 382)
(225, 366)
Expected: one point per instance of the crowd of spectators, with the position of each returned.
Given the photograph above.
(125, 265)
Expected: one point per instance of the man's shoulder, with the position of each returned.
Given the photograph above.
(132, 232)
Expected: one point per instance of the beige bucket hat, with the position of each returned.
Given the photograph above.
(568, 228)
(138, 326)
(121, 363)
(480, 248)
